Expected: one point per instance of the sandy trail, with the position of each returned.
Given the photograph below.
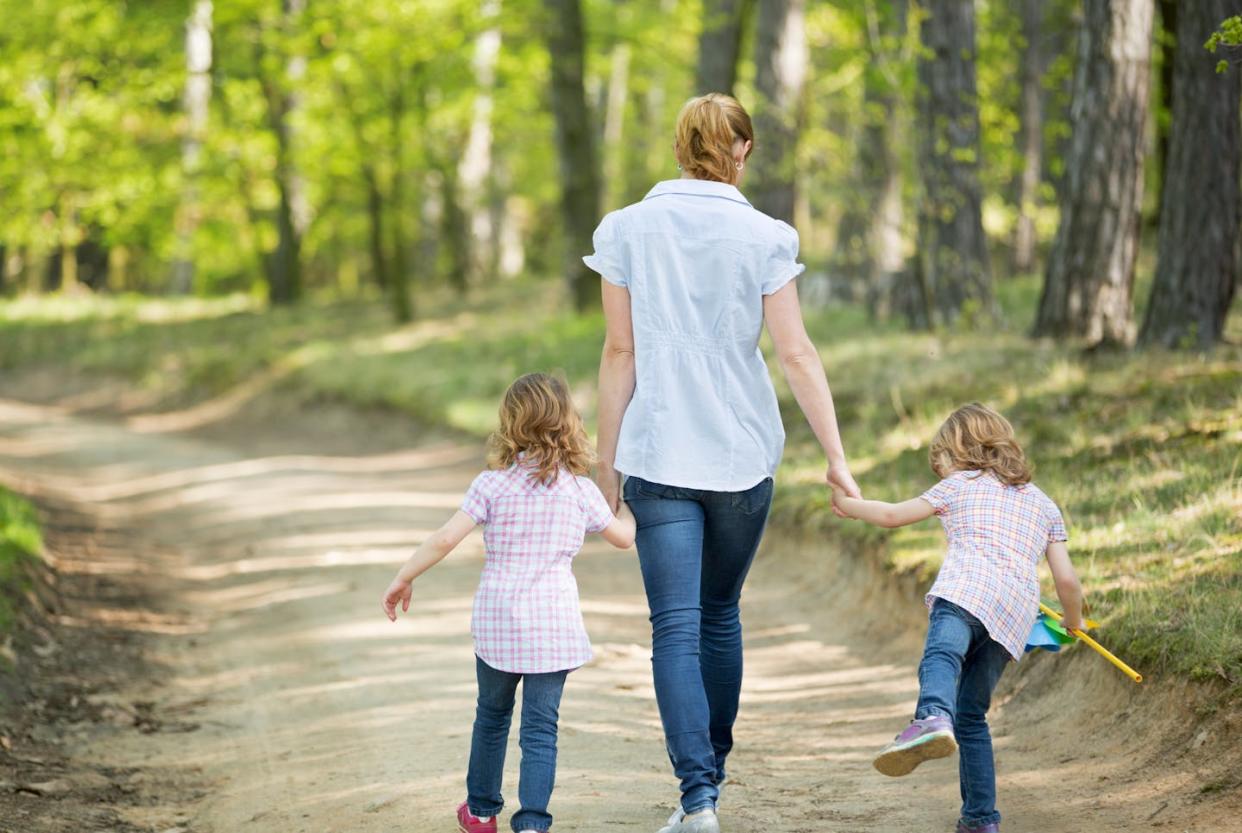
(317, 714)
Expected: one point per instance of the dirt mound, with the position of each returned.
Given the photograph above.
(64, 664)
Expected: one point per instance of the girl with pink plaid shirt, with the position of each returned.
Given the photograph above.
(536, 506)
(984, 600)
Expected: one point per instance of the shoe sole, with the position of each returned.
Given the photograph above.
(903, 760)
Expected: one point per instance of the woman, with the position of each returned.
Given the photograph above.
(687, 412)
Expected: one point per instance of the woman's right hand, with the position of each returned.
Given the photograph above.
(609, 481)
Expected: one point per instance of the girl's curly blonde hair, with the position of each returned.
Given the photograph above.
(541, 428)
(977, 438)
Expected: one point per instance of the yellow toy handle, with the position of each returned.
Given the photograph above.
(1100, 649)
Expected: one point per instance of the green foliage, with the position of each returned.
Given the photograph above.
(1229, 34)
(380, 108)
(20, 543)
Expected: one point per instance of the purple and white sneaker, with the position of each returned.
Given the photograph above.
(922, 740)
(990, 827)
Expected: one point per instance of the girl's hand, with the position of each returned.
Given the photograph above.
(1073, 626)
(398, 591)
(840, 480)
(609, 481)
(838, 498)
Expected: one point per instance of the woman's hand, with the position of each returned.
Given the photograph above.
(840, 480)
(609, 481)
(398, 591)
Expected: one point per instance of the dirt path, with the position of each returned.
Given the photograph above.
(316, 714)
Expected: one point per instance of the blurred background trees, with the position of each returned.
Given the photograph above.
(925, 149)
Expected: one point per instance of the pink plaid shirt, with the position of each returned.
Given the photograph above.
(997, 534)
(526, 614)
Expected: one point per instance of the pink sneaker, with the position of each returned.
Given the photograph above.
(467, 822)
(930, 737)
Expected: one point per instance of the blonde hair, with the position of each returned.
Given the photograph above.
(977, 438)
(707, 128)
(541, 428)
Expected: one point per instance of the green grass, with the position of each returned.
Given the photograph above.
(20, 544)
(1143, 451)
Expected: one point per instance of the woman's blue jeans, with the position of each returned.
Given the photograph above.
(960, 668)
(541, 701)
(695, 548)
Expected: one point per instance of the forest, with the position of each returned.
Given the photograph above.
(925, 151)
(267, 268)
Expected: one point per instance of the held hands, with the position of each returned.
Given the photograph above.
(839, 503)
(398, 591)
(842, 484)
(609, 481)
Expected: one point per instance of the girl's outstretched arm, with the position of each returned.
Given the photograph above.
(429, 553)
(1069, 590)
(880, 513)
(620, 533)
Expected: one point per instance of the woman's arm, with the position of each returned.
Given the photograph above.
(616, 386)
(805, 373)
(429, 553)
(880, 513)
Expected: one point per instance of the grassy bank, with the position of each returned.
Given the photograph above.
(20, 544)
(1143, 451)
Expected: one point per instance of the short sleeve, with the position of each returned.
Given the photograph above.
(596, 509)
(941, 495)
(610, 258)
(477, 502)
(1056, 524)
(782, 264)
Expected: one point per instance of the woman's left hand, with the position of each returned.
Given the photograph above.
(839, 478)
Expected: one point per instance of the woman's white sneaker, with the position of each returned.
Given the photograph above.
(700, 821)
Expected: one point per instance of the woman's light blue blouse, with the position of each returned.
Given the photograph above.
(697, 259)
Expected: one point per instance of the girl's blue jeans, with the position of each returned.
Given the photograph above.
(695, 548)
(541, 701)
(960, 668)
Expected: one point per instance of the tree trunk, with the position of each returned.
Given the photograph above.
(454, 231)
(375, 227)
(475, 169)
(781, 63)
(575, 147)
(720, 43)
(953, 265)
(91, 261)
(1201, 205)
(195, 101)
(1030, 137)
(1168, 48)
(614, 126)
(882, 164)
(292, 214)
(52, 273)
(1090, 272)
(399, 284)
